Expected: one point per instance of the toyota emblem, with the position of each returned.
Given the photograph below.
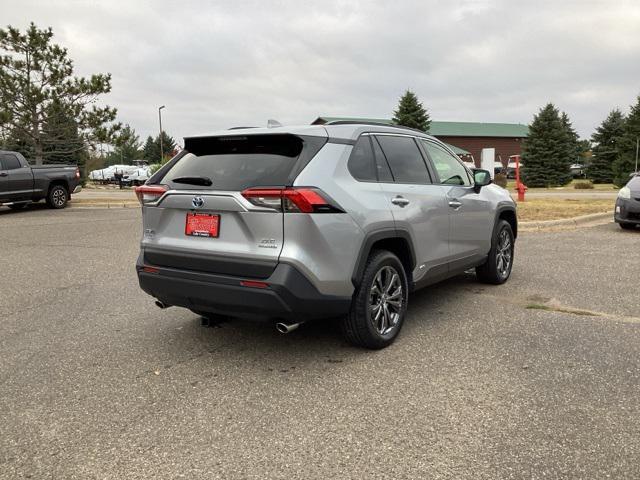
(197, 202)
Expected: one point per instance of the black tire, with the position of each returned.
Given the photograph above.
(17, 206)
(358, 326)
(57, 197)
(493, 271)
(628, 226)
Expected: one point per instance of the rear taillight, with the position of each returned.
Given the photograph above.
(294, 199)
(77, 172)
(150, 193)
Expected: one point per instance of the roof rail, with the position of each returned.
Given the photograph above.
(377, 124)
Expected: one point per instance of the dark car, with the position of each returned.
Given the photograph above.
(21, 184)
(627, 212)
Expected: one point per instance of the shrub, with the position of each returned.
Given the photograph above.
(500, 180)
(154, 168)
(583, 185)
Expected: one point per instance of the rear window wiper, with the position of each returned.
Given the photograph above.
(204, 181)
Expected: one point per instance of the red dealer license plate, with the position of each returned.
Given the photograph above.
(202, 225)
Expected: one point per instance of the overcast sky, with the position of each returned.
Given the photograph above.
(218, 64)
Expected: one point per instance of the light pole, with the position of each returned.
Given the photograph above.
(160, 119)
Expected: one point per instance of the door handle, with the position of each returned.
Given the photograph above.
(401, 201)
(4, 174)
(455, 204)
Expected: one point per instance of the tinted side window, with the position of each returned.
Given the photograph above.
(405, 159)
(384, 174)
(449, 168)
(9, 162)
(361, 162)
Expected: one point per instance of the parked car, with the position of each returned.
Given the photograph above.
(108, 174)
(341, 220)
(627, 212)
(21, 184)
(138, 177)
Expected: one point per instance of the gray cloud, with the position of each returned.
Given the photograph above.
(220, 64)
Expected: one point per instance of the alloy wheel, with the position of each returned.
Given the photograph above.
(385, 300)
(504, 253)
(59, 197)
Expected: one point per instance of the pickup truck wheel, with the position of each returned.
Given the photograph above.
(57, 197)
(627, 226)
(379, 304)
(497, 268)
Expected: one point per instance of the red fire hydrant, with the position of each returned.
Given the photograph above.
(520, 187)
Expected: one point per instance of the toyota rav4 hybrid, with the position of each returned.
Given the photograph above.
(342, 220)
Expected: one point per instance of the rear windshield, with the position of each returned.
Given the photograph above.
(237, 162)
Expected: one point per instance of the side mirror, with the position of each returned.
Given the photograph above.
(481, 178)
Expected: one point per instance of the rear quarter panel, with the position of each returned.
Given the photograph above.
(326, 246)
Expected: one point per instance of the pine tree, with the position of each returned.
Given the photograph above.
(573, 139)
(151, 149)
(35, 73)
(127, 146)
(606, 149)
(168, 144)
(61, 141)
(625, 163)
(548, 151)
(411, 113)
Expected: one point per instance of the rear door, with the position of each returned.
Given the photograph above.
(249, 233)
(417, 205)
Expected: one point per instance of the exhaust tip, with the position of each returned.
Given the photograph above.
(286, 327)
(159, 304)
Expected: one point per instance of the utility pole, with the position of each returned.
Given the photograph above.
(160, 119)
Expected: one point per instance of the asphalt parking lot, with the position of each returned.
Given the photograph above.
(96, 382)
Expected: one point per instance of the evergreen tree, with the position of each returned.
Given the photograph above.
(168, 144)
(548, 151)
(127, 146)
(61, 141)
(151, 150)
(572, 137)
(411, 113)
(625, 162)
(606, 149)
(35, 73)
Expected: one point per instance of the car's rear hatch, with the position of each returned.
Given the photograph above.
(237, 236)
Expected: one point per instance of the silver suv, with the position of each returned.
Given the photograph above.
(299, 223)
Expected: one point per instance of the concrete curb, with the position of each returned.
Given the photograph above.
(592, 218)
(114, 204)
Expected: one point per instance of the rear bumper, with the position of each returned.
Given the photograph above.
(289, 294)
(627, 211)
